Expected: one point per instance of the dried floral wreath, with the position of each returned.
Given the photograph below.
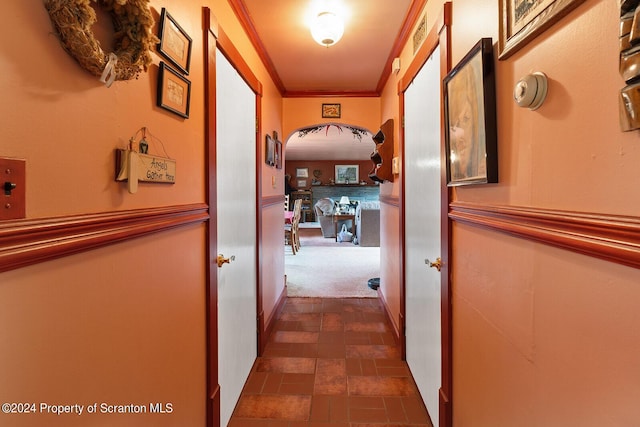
(133, 38)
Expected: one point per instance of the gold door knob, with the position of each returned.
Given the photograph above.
(437, 264)
(222, 260)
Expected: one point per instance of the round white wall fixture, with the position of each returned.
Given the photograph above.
(531, 90)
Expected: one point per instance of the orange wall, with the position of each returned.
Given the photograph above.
(543, 336)
(390, 249)
(390, 267)
(304, 112)
(125, 323)
(120, 325)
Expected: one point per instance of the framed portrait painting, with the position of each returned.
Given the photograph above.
(470, 118)
(523, 20)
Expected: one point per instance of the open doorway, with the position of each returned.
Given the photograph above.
(327, 167)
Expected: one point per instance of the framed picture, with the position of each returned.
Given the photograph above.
(470, 118)
(270, 151)
(175, 43)
(174, 91)
(302, 172)
(302, 183)
(278, 155)
(330, 111)
(347, 174)
(522, 20)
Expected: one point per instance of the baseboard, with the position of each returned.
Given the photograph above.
(387, 312)
(271, 322)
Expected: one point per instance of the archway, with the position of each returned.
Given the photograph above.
(312, 157)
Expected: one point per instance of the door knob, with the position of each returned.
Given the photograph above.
(437, 264)
(222, 260)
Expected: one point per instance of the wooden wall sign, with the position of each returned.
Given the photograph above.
(132, 166)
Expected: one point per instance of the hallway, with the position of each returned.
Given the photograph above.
(330, 362)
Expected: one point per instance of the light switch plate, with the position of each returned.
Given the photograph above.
(395, 165)
(12, 188)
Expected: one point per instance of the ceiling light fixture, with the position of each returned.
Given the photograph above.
(327, 28)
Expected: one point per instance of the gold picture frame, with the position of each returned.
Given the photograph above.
(521, 21)
(330, 111)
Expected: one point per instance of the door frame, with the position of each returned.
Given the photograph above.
(214, 38)
(440, 35)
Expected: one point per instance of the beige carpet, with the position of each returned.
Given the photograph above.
(325, 268)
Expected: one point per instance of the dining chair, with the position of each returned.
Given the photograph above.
(286, 202)
(297, 215)
(291, 234)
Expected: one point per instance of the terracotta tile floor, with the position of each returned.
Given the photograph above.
(330, 363)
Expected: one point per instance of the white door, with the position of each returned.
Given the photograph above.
(236, 200)
(422, 231)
